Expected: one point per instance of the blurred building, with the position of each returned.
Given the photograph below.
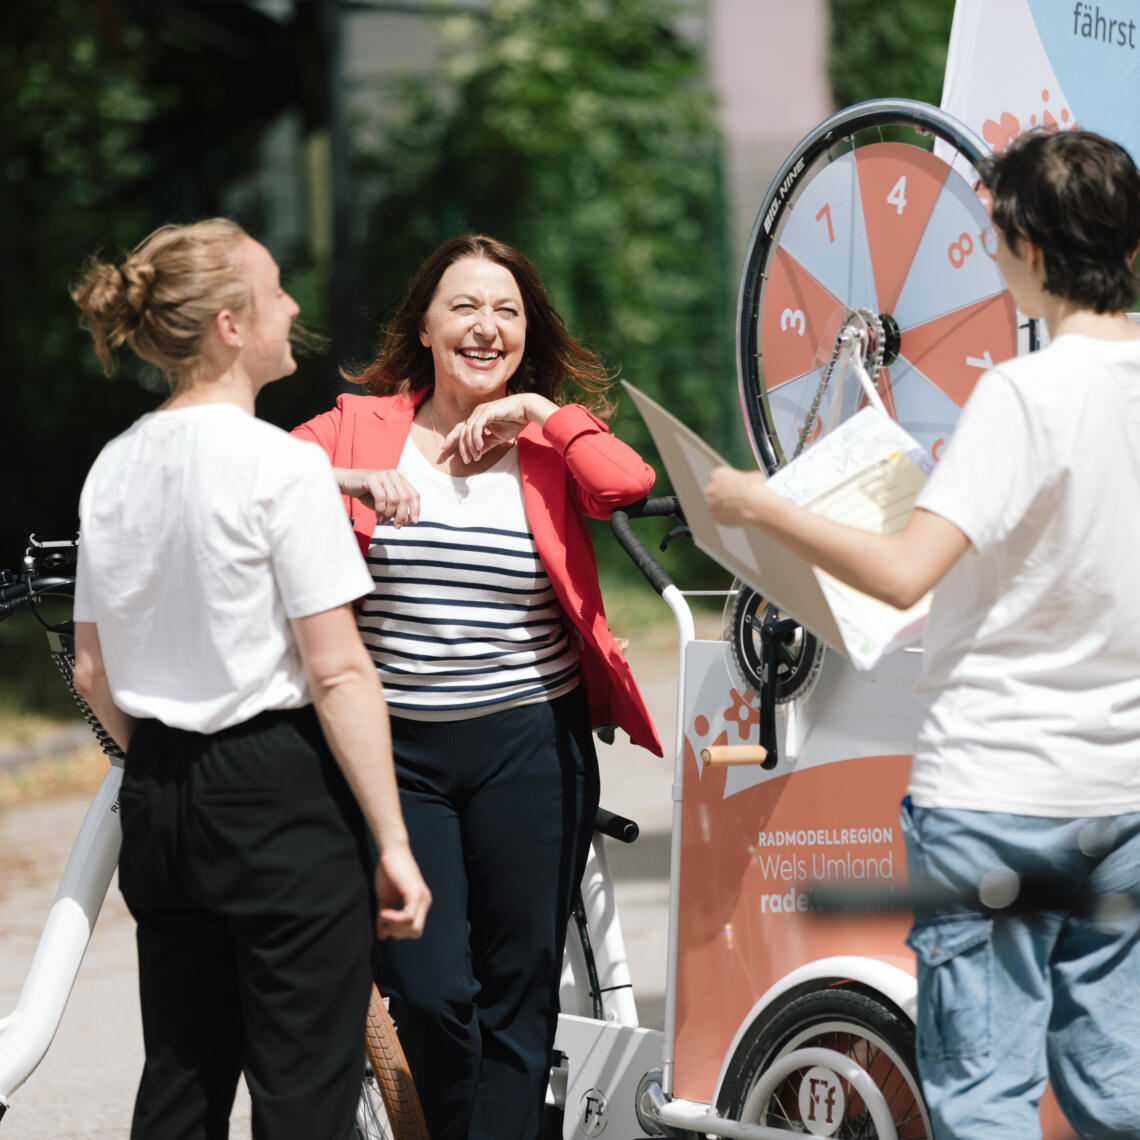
(768, 66)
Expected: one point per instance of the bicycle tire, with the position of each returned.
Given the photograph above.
(860, 1025)
(394, 1078)
(864, 218)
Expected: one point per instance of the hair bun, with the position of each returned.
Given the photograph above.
(161, 298)
(102, 294)
(136, 278)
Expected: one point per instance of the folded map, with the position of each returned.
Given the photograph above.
(866, 472)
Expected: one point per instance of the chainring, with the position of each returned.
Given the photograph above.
(799, 653)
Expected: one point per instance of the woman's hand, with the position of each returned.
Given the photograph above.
(402, 895)
(736, 498)
(494, 423)
(388, 493)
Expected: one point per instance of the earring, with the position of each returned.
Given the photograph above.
(240, 343)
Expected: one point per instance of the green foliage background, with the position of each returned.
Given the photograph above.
(117, 119)
(888, 49)
(76, 118)
(582, 131)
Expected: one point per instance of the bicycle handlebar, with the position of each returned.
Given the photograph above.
(616, 826)
(28, 590)
(48, 569)
(652, 570)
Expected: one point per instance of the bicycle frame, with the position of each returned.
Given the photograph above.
(385, 1108)
(27, 1032)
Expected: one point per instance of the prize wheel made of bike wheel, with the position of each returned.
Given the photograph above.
(851, 1022)
(864, 219)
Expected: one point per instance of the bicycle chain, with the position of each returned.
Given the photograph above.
(873, 333)
(813, 411)
(65, 662)
(875, 325)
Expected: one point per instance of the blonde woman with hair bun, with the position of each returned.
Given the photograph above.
(215, 640)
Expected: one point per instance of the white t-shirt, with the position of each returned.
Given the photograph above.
(203, 530)
(1032, 646)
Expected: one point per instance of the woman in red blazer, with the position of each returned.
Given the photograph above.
(467, 477)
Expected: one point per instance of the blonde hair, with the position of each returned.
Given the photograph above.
(162, 298)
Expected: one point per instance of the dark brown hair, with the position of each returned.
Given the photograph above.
(1076, 196)
(554, 364)
(161, 299)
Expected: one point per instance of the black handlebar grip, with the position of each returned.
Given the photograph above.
(662, 506)
(650, 568)
(24, 591)
(13, 596)
(616, 826)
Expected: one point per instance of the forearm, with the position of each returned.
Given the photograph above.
(350, 480)
(91, 683)
(898, 569)
(605, 472)
(350, 704)
(875, 564)
(354, 717)
(118, 724)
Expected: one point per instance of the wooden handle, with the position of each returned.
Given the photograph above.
(733, 754)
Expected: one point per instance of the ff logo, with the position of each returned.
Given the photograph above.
(592, 1112)
(821, 1102)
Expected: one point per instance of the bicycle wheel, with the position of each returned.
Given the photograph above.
(864, 224)
(372, 1121)
(393, 1077)
(854, 1023)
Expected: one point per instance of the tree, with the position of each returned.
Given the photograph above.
(582, 132)
(117, 119)
(889, 49)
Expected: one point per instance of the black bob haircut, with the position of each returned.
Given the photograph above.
(1076, 196)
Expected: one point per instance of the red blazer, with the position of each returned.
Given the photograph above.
(571, 466)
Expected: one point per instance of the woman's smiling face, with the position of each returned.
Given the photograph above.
(475, 326)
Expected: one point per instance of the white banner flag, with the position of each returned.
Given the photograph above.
(1017, 64)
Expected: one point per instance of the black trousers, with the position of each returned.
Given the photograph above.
(500, 810)
(245, 865)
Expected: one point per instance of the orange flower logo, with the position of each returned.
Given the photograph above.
(743, 713)
(1001, 133)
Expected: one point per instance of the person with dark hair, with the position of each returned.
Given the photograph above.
(215, 640)
(486, 624)
(1040, 190)
(1026, 757)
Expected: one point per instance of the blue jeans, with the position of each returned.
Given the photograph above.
(1005, 1003)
